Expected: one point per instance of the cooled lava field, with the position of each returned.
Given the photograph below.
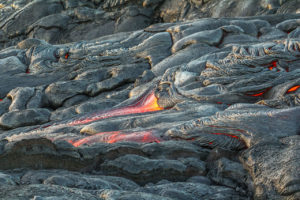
(149, 100)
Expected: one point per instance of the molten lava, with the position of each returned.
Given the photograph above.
(66, 55)
(147, 103)
(259, 93)
(293, 89)
(273, 65)
(117, 136)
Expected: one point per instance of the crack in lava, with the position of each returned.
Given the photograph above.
(259, 93)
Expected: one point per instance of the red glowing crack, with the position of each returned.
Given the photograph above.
(259, 93)
(117, 136)
(147, 103)
(226, 134)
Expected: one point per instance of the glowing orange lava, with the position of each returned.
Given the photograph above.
(273, 65)
(117, 136)
(147, 103)
(260, 93)
(66, 55)
(293, 89)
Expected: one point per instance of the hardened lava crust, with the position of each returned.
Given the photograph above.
(152, 99)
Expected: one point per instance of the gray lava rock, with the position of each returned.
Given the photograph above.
(228, 173)
(278, 168)
(12, 65)
(79, 182)
(4, 105)
(44, 192)
(212, 37)
(20, 97)
(27, 117)
(17, 23)
(200, 179)
(145, 170)
(6, 179)
(193, 191)
(288, 25)
(94, 105)
(58, 92)
(116, 194)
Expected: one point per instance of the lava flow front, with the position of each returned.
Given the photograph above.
(147, 103)
(117, 136)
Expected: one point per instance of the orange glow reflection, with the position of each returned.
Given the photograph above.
(147, 103)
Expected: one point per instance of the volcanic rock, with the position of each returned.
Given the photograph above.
(160, 99)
